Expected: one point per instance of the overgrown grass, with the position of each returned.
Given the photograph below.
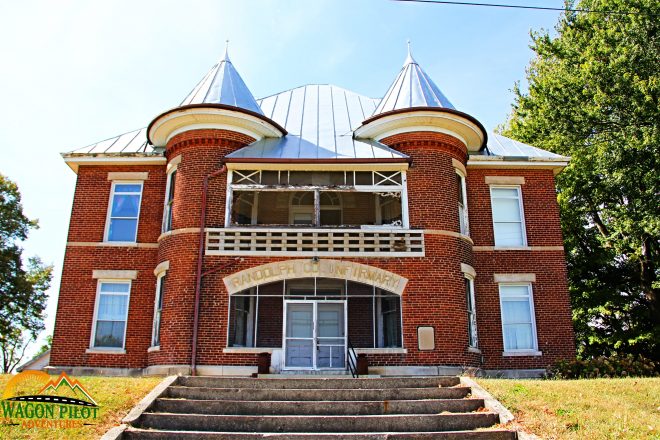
(115, 396)
(583, 409)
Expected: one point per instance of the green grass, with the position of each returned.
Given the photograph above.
(115, 396)
(582, 409)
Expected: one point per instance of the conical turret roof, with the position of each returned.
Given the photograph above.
(223, 85)
(412, 88)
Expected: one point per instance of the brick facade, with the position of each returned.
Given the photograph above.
(434, 295)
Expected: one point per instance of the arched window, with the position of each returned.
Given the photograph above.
(302, 208)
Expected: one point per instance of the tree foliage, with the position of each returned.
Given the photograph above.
(593, 90)
(22, 287)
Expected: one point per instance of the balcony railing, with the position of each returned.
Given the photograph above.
(310, 242)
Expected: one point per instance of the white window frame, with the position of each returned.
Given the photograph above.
(530, 298)
(92, 347)
(472, 314)
(167, 208)
(523, 227)
(159, 292)
(463, 221)
(108, 218)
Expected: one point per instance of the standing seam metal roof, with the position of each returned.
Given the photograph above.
(320, 120)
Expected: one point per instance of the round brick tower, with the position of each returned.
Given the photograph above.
(416, 119)
(219, 116)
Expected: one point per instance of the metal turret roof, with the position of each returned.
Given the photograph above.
(223, 85)
(412, 88)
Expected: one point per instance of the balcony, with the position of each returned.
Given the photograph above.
(367, 242)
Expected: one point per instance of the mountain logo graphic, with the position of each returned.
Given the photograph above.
(65, 385)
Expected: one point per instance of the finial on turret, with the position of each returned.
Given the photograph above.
(409, 58)
(226, 57)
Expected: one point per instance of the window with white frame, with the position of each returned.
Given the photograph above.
(158, 309)
(518, 325)
(462, 204)
(169, 200)
(124, 211)
(508, 217)
(111, 314)
(471, 312)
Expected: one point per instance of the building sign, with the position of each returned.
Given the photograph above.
(345, 270)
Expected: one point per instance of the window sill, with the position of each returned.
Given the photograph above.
(512, 248)
(119, 243)
(248, 350)
(105, 351)
(381, 351)
(473, 350)
(522, 353)
(153, 348)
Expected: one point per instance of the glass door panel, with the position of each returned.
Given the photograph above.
(331, 345)
(299, 335)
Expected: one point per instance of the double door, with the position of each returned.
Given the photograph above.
(314, 335)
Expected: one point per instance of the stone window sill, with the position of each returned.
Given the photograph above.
(381, 351)
(473, 350)
(522, 353)
(255, 350)
(153, 348)
(104, 351)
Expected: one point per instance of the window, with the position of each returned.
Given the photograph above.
(508, 221)
(241, 333)
(462, 204)
(471, 312)
(111, 314)
(518, 326)
(169, 201)
(389, 322)
(158, 309)
(124, 211)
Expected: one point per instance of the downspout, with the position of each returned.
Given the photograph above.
(200, 263)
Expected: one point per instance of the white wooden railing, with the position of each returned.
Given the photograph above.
(310, 242)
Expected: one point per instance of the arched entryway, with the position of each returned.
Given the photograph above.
(307, 321)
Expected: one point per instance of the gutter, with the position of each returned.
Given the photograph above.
(200, 262)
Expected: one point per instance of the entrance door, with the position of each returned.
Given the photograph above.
(314, 335)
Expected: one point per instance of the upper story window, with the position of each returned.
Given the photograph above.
(518, 324)
(169, 200)
(111, 314)
(124, 211)
(508, 217)
(317, 198)
(462, 204)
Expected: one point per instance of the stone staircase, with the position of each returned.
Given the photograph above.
(219, 408)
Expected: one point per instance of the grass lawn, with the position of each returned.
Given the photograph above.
(582, 409)
(115, 396)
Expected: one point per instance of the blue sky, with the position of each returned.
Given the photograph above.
(75, 72)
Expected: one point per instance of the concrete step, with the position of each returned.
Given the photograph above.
(306, 424)
(243, 407)
(494, 434)
(179, 392)
(326, 382)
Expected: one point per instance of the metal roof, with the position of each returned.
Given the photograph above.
(412, 88)
(320, 119)
(223, 85)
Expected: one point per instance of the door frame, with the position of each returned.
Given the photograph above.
(314, 303)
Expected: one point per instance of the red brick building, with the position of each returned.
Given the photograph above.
(304, 223)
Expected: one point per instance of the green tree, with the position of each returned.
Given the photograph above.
(593, 91)
(22, 287)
